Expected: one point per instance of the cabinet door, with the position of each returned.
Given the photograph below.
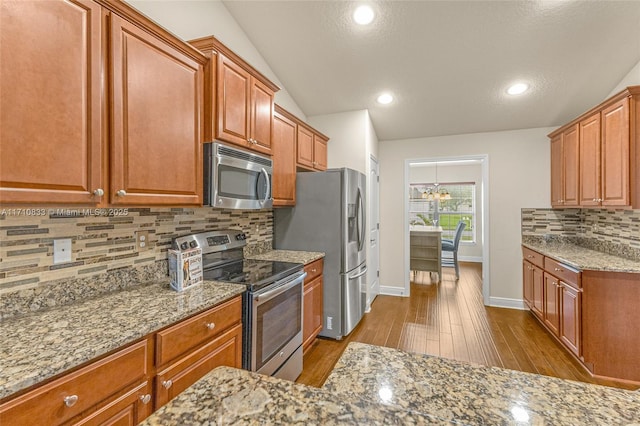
(537, 283)
(571, 318)
(557, 179)
(157, 120)
(527, 283)
(261, 116)
(312, 322)
(305, 147)
(590, 192)
(128, 409)
(319, 153)
(615, 154)
(50, 102)
(284, 161)
(571, 156)
(234, 94)
(224, 350)
(551, 303)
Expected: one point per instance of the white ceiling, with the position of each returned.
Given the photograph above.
(447, 62)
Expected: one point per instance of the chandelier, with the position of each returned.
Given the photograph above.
(434, 192)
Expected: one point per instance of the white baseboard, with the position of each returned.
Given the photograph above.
(392, 291)
(503, 302)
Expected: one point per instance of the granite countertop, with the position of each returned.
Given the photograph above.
(305, 257)
(376, 385)
(43, 344)
(582, 258)
(228, 396)
(474, 394)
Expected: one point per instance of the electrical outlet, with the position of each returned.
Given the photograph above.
(62, 250)
(142, 240)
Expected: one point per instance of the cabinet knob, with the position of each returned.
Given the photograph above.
(121, 193)
(599, 200)
(529, 256)
(594, 200)
(145, 398)
(211, 325)
(167, 383)
(70, 400)
(314, 270)
(98, 192)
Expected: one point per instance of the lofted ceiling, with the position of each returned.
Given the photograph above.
(448, 63)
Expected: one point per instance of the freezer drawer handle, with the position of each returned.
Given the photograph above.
(359, 274)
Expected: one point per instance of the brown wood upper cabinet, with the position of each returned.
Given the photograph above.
(239, 100)
(607, 163)
(564, 168)
(296, 146)
(106, 109)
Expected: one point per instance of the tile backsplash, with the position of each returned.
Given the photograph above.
(610, 231)
(106, 243)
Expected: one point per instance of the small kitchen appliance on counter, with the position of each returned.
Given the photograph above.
(272, 304)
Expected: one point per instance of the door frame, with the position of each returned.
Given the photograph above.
(484, 209)
(370, 206)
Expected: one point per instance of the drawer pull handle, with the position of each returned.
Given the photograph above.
(167, 383)
(211, 325)
(70, 400)
(529, 256)
(314, 270)
(145, 398)
(558, 269)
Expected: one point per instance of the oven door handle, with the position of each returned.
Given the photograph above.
(280, 289)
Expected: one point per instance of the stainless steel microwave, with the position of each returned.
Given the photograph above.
(236, 179)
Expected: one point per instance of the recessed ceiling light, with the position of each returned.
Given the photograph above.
(518, 89)
(363, 15)
(385, 98)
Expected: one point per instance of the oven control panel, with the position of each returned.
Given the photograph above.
(211, 241)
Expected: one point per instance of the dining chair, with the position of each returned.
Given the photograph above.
(451, 246)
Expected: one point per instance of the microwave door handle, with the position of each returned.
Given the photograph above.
(267, 191)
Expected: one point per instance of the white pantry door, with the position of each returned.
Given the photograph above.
(373, 258)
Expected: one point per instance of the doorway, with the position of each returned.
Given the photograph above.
(423, 181)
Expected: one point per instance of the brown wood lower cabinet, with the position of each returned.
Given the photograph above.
(312, 299)
(223, 350)
(101, 383)
(119, 388)
(594, 314)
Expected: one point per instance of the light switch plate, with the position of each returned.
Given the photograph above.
(62, 250)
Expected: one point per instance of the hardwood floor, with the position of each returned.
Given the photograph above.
(450, 320)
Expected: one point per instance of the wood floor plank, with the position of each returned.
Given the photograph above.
(450, 320)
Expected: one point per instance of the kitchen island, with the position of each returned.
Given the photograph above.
(376, 385)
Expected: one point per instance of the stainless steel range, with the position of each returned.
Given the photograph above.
(272, 304)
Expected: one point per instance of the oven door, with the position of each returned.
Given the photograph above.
(239, 180)
(276, 324)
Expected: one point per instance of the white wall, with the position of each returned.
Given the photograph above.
(519, 176)
(457, 173)
(631, 79)
(190, 19)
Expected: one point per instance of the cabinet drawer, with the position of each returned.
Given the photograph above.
(533, 257)
(182, 337)
(54, 403)
(130, 408)
(564, 272)
(225, 350)
(313, 270)
(424, 240)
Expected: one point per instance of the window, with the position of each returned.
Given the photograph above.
(445, 213)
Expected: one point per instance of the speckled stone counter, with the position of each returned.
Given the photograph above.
(582, 258)
(473, 394)
(43, 344)
(305, 257)
(228, 396)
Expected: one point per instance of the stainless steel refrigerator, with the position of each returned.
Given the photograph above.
(329, 216)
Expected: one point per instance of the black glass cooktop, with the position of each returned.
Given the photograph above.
(255, 274)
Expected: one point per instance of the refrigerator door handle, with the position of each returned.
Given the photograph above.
(361, 221)
(359, 274)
